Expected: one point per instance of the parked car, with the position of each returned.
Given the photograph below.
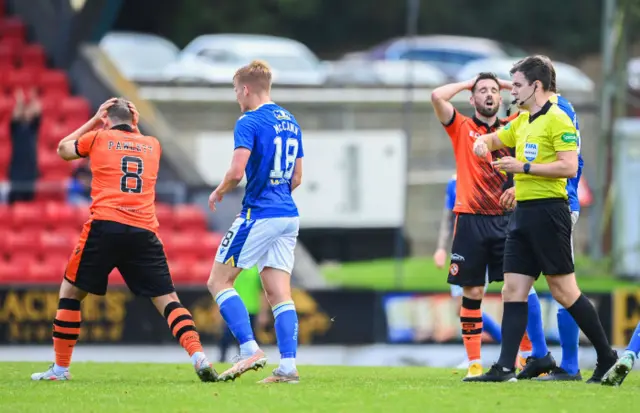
(567, 77)
(448, 53)
(139, 57)
(214, 58)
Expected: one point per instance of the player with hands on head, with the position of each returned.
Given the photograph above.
(121, 233)
(480, 221)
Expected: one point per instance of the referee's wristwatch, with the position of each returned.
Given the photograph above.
(526, 167)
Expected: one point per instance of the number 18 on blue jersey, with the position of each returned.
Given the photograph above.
(274, 138)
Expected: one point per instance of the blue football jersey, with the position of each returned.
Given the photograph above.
(274, 138)
(572, 183)
(450, 194)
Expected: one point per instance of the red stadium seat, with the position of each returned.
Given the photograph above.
(5, 213)
(61, 215)
(115, 278)
(189, 218)
(164, 213)
(51, 190)
(180, 270)
(27, 215)
(34, 56)
(207, 244)
(49, 271)
(8, 55)
(179, 246)
(25, 242)
(183, 243)
(76, 108)
(58, 243)
(54, 83)
(13, 272)
(12, 28)
(81, 216)
(201, 270)
(51, 132)
(50, 107)
(5, 160)
(23, 257)
(48, 158)
(19, 79)
(6, 113)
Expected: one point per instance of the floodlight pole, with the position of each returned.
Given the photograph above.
(413, 14)
(607, 94)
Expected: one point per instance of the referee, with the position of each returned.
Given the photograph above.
(539, 238)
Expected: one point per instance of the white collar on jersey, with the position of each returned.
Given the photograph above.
(266, 103)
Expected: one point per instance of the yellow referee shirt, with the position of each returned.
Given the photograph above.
(537, 138)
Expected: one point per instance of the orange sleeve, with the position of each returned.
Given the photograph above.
(85, 143)
(453, 127)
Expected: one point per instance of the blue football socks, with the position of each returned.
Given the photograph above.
(569, 341)
(236, 316)
(634, 344)
(286, 325)
(492, 328)
(535, 329)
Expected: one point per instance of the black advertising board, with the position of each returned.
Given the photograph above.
(325, 317)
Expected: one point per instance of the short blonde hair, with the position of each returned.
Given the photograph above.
(256, 73)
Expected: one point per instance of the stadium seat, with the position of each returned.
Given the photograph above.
(51, 190)
(115, 278)
(57, 243)
(19, 79)
(50, 108)
(12, 28)
(207, 245)
(7, 55)
(33, 56)
(189, 218)
(5, 160)
(54, 83)
(201, 270)
(27, 215)
(12, 272)
(6, 113)
(183, 243)
(49, 271)
(181, 270)
(60, 215)
(5, 213)
(51, 166)
(81, 216)
(76, 108)
(164, 213)
(25, 242)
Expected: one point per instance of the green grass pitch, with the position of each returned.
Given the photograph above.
(113, 387)
(420, 273)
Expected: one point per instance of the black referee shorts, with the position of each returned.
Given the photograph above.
(539, 239)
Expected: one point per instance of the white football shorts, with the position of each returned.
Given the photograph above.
(268, 242)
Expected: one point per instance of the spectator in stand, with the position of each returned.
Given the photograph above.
(80, 186)
(25, 122)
